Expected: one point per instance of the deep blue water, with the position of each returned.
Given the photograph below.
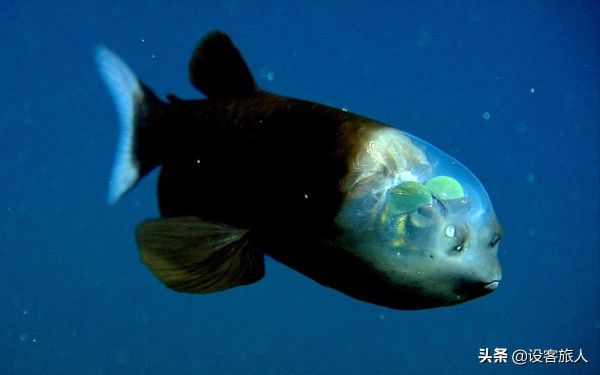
(75, 299)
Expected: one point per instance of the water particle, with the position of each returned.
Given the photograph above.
(23, 337)
(424, 39)
(532, 90)
(530, 177)
(266, 74)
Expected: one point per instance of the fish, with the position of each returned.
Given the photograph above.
(356, 205)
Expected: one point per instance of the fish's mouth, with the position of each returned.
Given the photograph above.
(477, 289)
(492, 285)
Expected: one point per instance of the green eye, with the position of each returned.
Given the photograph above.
(408, 196)
(445, 188)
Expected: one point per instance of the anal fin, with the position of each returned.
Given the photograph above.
(192, 255)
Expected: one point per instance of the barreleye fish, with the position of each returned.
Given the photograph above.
(354, 204)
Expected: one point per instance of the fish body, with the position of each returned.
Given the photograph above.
(352, 203)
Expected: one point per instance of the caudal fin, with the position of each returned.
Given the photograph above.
(140, 113)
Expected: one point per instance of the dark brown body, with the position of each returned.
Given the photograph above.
(246, 173)
(273, 165)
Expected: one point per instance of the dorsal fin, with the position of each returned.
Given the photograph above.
(218, 69)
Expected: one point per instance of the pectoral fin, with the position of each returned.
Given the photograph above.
(191, 255)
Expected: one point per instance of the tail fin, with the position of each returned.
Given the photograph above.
(140, 113)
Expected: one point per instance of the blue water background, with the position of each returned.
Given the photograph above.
(75, 299)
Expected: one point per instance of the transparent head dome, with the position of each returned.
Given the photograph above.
(402, 194)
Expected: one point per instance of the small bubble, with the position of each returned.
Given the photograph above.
(23, 337)
(532, 90)
(486, 115)
(381, 316)
(531, 232)
(530, 177)
(521, 127)
(267, 74)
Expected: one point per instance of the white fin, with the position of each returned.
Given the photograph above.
(127, 93)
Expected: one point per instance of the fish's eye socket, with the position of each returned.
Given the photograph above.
(495, 240)
(459, 236)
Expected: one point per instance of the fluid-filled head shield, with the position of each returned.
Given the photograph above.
(421, 219)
